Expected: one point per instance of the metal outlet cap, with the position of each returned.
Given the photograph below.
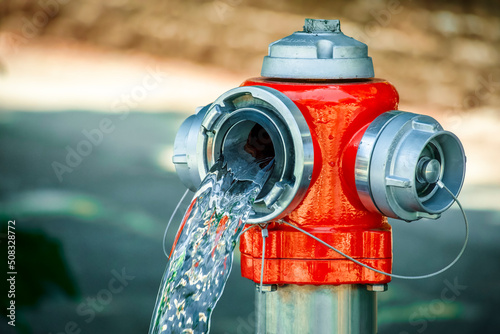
(320, 51)
(245, 123)
(400, 159)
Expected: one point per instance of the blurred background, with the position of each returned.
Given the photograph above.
(114, 79)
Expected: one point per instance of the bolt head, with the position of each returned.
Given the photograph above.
(376, 287)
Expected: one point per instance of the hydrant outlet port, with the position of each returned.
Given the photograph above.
(400, 160)
(246, 124)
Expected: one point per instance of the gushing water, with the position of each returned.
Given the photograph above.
(202, 255)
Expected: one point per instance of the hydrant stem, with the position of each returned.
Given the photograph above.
(299, 309)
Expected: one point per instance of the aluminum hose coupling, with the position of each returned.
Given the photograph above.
(400, 159)
(244, 124)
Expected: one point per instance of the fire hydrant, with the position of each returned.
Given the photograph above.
(345, 160)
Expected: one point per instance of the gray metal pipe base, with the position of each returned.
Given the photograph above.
(294, 309)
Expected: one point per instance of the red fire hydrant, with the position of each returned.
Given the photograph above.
(346, 159)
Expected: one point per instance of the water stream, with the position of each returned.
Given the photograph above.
(202, 254)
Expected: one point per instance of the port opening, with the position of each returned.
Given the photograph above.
(247, 148)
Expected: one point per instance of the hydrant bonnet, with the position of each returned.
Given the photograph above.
(320, 51)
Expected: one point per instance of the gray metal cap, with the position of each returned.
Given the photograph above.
(401, 160)
(321, 51)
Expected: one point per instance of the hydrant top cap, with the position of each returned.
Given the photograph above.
(320, 51)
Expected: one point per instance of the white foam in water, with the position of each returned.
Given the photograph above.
(202, 257)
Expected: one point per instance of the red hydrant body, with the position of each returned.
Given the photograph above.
(345, 159)
(337, 112)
